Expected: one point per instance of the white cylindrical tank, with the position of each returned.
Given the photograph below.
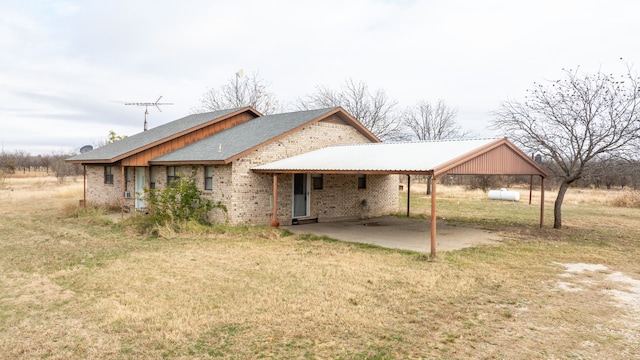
(504, 194)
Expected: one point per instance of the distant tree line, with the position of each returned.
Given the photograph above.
(21, 162)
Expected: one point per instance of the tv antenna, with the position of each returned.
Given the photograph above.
(146, 108)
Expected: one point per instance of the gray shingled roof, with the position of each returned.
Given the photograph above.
(247, 135)
(131, 143)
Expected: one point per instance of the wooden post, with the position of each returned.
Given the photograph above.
(122, 193)
(531, 181)
(84, 195)
(433, 216)
(274, 215)
(408, 193)
(541, 201)
(530, 187)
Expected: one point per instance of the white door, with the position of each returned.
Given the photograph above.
(140, 203)
(300, 195)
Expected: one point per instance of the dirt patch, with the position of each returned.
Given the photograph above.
(614, 287)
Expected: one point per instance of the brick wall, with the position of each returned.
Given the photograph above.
(248, 196)
(99, 193)
(252, 197)
(340, 197)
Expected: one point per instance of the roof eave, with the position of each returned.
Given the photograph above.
(186, 162)
(90, 162)
(341, 172)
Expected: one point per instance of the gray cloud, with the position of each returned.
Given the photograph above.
(64, 62)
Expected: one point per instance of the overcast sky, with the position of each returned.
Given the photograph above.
(65, 64)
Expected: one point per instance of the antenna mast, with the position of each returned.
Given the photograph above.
(146, 108)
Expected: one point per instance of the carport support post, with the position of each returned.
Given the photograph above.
(408, 193)
(84, 189)
(541, 201)
(433, 216)
(124, 200)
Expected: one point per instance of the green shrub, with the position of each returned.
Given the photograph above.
(179, 202)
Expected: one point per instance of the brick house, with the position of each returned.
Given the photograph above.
(221, 149)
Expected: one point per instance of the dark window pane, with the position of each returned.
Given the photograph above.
(317, 181)
(362, 181)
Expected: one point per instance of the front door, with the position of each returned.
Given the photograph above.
(300, 195)
(140, 203)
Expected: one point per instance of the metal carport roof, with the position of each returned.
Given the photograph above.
(463, 157)
(408, 157)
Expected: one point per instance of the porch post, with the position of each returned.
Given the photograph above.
(433, 216)
(408, 193)
(530, 187)
(84, 189)
(541, 201)
(122, 191)
(274, 214)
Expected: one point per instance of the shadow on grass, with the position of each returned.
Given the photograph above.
(312, 237)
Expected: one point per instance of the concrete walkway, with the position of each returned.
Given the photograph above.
(396, 233)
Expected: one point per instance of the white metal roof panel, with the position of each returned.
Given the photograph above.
(390, 157)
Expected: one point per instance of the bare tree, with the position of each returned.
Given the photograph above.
(374, 110)
(240, 91)
(63, 169)
(573, 121)
(428, 122)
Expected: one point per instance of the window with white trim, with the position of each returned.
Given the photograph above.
(108, 175)
(208, 177)
(173, 174)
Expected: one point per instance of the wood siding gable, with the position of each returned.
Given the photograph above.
(142, 158)
(498, 158)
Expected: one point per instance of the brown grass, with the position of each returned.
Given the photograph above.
(73, 285)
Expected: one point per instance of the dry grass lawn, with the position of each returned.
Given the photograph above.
(76, 285)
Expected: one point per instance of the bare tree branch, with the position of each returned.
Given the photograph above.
(428, 122)
(574, 121)
(374, 110)
(240, 91)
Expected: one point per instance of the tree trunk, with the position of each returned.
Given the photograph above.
(557, 207)
(428, 184)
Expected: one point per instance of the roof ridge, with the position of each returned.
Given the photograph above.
(422, 141)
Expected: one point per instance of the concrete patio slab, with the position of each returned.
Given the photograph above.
(396, 233)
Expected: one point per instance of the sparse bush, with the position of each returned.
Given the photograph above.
(3, 183)
(178, 203)
(63, 169)
(629, 199)
(482, 182)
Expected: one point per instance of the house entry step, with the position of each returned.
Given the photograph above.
(302, 221)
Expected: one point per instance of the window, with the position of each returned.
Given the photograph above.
(152, 177)
(172, 175)
(208, 177)
(317, 181)
(362, 181)
(108, 175)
